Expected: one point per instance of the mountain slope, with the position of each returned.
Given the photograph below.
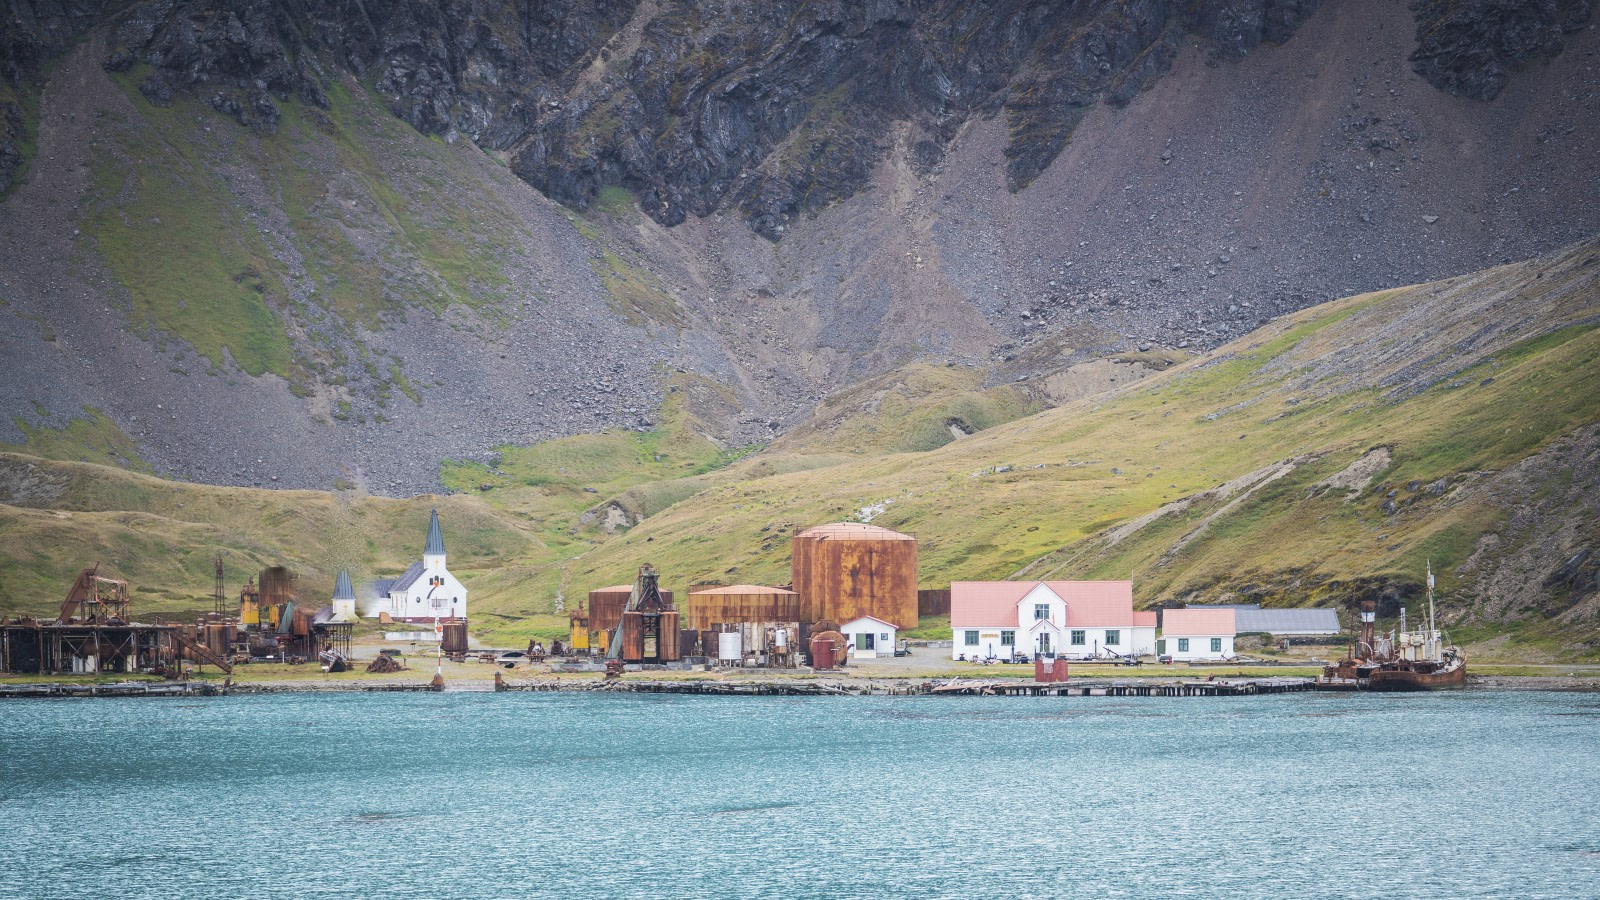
(288, 244)
(1327, 457)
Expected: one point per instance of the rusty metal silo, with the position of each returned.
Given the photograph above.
(848, 570)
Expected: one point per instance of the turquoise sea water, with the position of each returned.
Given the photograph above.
(573, 795)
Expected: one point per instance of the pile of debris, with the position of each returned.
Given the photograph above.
(385, 665)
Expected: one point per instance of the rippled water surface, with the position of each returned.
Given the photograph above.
(469, 795)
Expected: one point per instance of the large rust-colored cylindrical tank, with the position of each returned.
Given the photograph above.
(741, 603)
(606, 606)
(455, 636)
(848, 570)
(276, 586)
(219, 638)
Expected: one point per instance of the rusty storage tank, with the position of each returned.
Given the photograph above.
(848, 570)
(727, 605)
(219, 638)
(276, 586)
(606, 606)
(822, 651)
(455, 635)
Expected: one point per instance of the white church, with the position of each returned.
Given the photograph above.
(426, 591)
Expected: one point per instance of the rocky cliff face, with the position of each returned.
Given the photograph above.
(778, 199)
(779, 110)
(479, 69)
(1470, 48)
(776, 109)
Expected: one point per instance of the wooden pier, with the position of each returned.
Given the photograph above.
(1231, 687)
(119, 689)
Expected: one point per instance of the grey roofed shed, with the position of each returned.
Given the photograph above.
(1250, 617)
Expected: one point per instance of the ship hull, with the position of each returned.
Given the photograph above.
(1408, 680)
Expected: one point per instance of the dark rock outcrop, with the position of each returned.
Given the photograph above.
(474, 67)
(1469, 47)
(781, 109)
(775, 109)
(11, 134)
(31, 32)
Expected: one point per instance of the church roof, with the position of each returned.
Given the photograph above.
(435, 537)
(404, 582)
(342, 589)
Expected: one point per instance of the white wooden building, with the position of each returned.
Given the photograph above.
(426, 591)
(1075, 619)
(1197, 634)
(869, 637)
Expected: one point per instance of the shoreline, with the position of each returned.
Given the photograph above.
(798, 685)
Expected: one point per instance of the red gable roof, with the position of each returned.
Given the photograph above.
(1096, 604)
(986, 603)
(993, 604)
(1197, 622)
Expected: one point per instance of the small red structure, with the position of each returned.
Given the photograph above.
(1047, 672)
(822, 653)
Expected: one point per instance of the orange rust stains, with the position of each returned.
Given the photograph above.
(726, 605)
(848, 570)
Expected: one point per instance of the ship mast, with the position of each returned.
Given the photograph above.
(1432, 626)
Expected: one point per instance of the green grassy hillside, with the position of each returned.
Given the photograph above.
(1228, 456)
(1324, 458)
(294, 243)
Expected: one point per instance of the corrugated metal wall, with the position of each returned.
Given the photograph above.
(933, 603)
(606, 606)
(846, 578)
(718, 607)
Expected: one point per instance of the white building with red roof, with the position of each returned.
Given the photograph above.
(1197, 633)
(1075, 619)
(869, 637)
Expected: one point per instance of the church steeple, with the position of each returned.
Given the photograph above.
(435, 545)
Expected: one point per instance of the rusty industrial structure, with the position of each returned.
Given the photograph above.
(744, 624)
(647, 631)
(94, 632)
(578, 638)
(847, 570)
(606, 606)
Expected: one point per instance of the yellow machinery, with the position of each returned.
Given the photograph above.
(250, 605)
(578, 636)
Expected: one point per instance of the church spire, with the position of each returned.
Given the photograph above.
(342, 589)
(435, 546)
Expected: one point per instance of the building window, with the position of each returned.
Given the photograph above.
(1113, 636)
(1041, 611)
(971, 640)
(1079, 637)
(1008, 638)
(1183, 645)
(1216, 645)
